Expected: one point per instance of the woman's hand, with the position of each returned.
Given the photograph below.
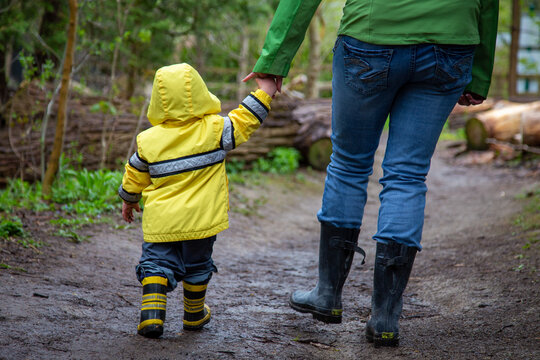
(470, 98)
(277, 78)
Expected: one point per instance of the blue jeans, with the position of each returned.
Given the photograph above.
(417, 86)
(189, 260)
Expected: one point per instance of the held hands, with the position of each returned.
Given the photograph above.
(127, 210)
(469, 98)
(264, 80)
(267, 85)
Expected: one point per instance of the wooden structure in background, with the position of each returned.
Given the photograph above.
(302, 124)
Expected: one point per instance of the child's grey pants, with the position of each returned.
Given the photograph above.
(189, 260)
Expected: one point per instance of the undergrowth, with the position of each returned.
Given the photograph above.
(280, 160)
(81, 197)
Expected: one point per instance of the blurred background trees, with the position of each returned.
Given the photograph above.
(120, 44)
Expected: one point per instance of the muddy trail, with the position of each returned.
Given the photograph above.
(465, 299)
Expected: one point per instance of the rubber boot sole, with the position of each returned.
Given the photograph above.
(196, 327)
(382, 339)
(199, 326)
(326, 317)
(151, 331)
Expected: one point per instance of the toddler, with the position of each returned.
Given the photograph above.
(179, 172)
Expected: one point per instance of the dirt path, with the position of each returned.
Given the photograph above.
(464, 301)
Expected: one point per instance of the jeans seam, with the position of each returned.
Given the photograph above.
(412, 66)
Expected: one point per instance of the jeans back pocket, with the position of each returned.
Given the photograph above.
(366, 70)
(454, 65)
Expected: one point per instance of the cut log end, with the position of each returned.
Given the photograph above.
(319, 154)
(477, 135)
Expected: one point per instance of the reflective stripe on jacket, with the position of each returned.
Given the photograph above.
(179, 166)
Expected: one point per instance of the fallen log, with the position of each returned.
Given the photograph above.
(461, 114)
(511, 123)
(313, 139)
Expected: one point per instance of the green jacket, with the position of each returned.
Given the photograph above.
(391, 22)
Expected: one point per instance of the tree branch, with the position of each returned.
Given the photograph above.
(8, 7)
(45, 45)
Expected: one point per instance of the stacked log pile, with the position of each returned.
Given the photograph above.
(313, 137)
(291, 123)
(279, 129)
(303, 124)
(20, 153)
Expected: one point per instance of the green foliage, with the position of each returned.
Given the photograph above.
(71, 235)
(529, 218)
(76, 191)
(247, 206)
(11, 227)
(236, 171)
(87, 192)
(9, 267)
(28, 65)
(30, 243)
(528, 222)
(452, 135)
(104, 107)
(280, 160)
(22, 195)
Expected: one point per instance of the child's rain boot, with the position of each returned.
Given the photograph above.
(196, 312)
(154, 304)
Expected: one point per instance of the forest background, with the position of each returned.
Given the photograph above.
(119, 45)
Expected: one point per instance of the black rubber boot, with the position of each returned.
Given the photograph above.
(196, 312)
(154, 305)
(336, 251)
(393, 265)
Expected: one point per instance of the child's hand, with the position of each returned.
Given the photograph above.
(267, 84)
(127, 210)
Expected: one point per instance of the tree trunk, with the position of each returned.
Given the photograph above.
(6, 67)
(243, 65)
(131, 79)
(314, 64)
(514, 47)
(53, 164)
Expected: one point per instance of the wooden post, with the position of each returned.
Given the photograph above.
(53, 164)
(514, 47)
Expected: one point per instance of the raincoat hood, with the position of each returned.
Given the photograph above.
(179, 93)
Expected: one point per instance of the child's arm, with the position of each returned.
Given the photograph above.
(243, 121)
(135, 179)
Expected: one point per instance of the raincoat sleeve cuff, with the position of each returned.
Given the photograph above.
(257, 104)
(127, 196)
(264, 97)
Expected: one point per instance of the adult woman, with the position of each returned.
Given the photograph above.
(410, 60)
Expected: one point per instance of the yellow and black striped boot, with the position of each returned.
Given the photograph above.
(154, 304)
(196, 312)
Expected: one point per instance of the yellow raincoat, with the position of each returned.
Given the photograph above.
(179, 166)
